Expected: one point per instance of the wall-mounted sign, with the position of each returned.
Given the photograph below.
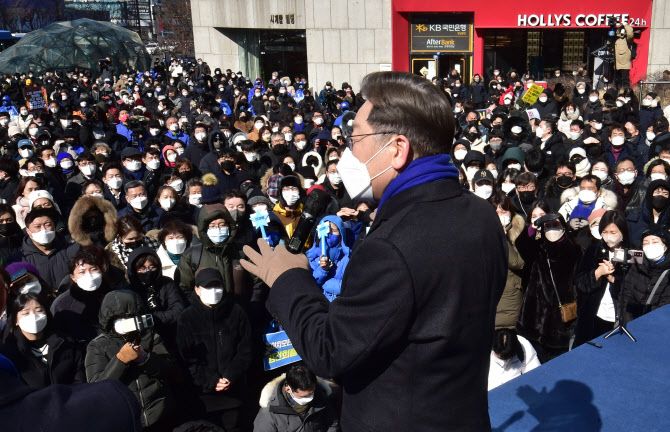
(446, 34)
(580, 20)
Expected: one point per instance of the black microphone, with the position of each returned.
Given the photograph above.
(314, 206)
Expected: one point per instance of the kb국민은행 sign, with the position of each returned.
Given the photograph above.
(443, 34)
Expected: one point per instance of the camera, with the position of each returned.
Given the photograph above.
(137, 323)
(628, 256)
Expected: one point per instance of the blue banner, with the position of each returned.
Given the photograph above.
(283, 352)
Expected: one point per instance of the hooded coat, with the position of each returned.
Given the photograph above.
(106, 227)
(277, 415)
(640, 218)
(145, 380)
(622, 51)
(213, 343)
(209, 163)
(638, 285)
(507, 310)
(330, 280)
(220, 257)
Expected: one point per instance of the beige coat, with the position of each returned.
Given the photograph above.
(622, 54)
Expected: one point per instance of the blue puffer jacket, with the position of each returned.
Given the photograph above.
(330, 280)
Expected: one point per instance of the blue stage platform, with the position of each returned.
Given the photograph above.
(623, 386)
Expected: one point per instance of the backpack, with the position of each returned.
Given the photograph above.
(196, 254)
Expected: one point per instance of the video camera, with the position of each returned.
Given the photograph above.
(137, 323)
(628, 256)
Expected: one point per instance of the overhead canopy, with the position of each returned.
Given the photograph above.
(67, 44)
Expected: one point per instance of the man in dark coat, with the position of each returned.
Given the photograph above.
(410, 336)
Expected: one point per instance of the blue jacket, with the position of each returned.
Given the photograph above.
(181, 136)
(330, 280)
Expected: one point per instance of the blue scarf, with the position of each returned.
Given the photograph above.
(139, 175)
(174, 258)
(423, 170)
(582, 211)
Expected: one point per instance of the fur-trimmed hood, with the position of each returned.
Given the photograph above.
(81, 207)
(609, 198)
(318, 168)
(270, 389)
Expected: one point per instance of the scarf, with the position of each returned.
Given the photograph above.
(139, 175)
(174, 258)
(123, 251)
(300, 409)
(420, 171)
(616, 152)
(582, 211)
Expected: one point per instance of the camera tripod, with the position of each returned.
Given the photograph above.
(621, 327)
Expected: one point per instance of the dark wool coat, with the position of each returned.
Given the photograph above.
(418, 300)
(540, 317)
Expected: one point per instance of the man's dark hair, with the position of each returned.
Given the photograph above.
(506, 344)
(578, 123)
(534, 159)
(566, 164)
(616, 126)
(300, 378)
(112, 165)
(661, 124)
(87, 156)
(10, 166)
(415, 108)
(624, 159)
(591, 179)
(91, 255)
(133, 184)
(552, 126)
(525, 179)
(40, 212)
(495, 133)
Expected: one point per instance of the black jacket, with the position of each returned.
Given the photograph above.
(393, 320)
(10, 246)
(53, 267)
(149, 218)
(215, 343)
(590, 292)
(638, 285)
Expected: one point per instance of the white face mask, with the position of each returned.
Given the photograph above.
(587, 196)
(26, 153)
(200, 136)
(618, 140)
(288, 136)
(484, 192)
(44, 237)
(259, 125)
(335, 178)
(175, 246)
(154, 131)
(300, 145)
(612, 241)
(593, 98)
(134, 165)
(459, 155)
(598, 126)
(470, 172)
(211, 296)
(646, 102)
(51, 162)
(539, 132)
(172, 157)
(33, 323)
(515, 166)
(516, 129)
(543, 99)
(87, 170)
(602, 175)
(308, 183)
(508, 187)
(318, 121)
(291, 197)
(115, 183)
(177, 185)
(554, 235)
(570, 113)
(355, 175)
(595, 232)
(650, 136)
(575, 136)
(302, 401)
(251, 157)
(153, 164)
(139, 203)
(626, 178)
(195, 199)
(581, 90)
(166, 203)
(34, 287)
(494, 173)
(654, 252)
(298, 120)
(291, 165)
(505, 220)
(658, 176)
(90, 281)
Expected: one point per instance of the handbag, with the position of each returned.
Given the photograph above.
(568, 310)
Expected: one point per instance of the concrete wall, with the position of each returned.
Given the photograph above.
(659, 48)
(346, 39)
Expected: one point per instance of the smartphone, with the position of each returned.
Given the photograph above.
(630, 256)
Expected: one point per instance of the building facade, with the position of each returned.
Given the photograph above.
(343, 40)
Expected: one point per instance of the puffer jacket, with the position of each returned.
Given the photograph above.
(220, 257)
(330, 280)
(146, 380)
(276, 414)
(638, 285)
(507, 310)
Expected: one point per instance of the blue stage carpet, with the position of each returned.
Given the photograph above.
(624, 386)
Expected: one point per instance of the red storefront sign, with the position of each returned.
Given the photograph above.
(490, 14)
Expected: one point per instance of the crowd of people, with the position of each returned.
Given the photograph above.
(127, 199)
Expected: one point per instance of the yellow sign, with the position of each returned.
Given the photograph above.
(532, 94)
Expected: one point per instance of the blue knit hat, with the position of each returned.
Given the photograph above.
(64, 155)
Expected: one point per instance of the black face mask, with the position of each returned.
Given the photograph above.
(134, 245)
(185, 175)
(279, 149)
(8, 229)
(564, 181)
(147, 278)
(228, 166)
(526, 197)
(659, 202)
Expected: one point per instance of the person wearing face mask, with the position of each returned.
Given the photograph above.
(638, 284)
(650, 110)
(151, 159)
(513, 224)
(599, 280)
(328, 270)
(552, 282)
(24, 118)
(41, 356)
(216, 231)
(546, 105)
(217, 143)
(11, 234)
(298, 400)
(617, 147)
(200, 145)
(133, 356)
(593, 109)
(129, 236)
(630, 193)
(217, 366)
(174, 132)
(45, 248)
(333, 185)
(403, 167)
(133, 168)
(654, 211)
(580, 94)
(139, 206)
(549, 140)
(92, 221)
(511, 356)
(482, 184)
(526, 192)
(658, 137)
(174, 239)
(289, 205)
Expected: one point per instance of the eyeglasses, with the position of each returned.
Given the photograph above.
(350, 142)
